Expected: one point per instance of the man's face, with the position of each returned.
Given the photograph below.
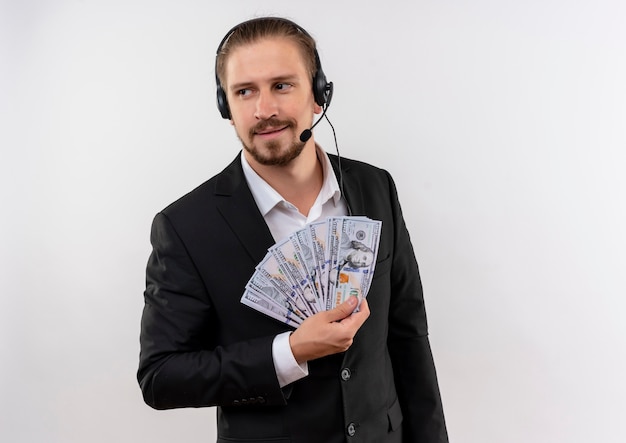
(270, 98)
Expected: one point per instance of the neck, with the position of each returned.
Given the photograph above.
(299, 182)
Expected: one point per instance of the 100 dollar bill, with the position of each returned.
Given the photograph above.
(357, 250)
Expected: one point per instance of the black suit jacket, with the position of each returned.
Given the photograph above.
(201, 347)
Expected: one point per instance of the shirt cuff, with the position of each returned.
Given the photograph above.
(287, 368)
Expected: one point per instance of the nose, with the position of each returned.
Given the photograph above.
(266, 106)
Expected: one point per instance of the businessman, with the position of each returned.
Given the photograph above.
(341, 376)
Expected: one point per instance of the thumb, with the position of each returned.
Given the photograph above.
(343, 310)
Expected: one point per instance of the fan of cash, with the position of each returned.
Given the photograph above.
(315, 269)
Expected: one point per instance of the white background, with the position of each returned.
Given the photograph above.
(503, 123)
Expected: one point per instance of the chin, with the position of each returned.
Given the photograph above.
(272, 154)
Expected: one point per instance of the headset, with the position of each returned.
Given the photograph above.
(322, 89)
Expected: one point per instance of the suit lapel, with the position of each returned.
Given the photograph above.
(353, 194)
(236, 204)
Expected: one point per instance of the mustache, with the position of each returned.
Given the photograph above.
(272, 122)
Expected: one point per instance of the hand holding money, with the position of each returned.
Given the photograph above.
(315, 269)
(328, 332)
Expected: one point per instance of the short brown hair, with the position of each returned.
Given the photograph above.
(256, 29)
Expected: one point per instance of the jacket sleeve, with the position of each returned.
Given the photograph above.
(409, 348)
(179, 364)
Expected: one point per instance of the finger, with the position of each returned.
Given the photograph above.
(357, 319)
(364, 307)
(343, 310)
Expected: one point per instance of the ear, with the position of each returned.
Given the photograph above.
(317, 108)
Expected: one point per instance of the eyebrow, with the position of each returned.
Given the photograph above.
(281, 78)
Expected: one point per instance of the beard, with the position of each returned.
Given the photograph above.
(273, 153)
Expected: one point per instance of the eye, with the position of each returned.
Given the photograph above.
(244, 92)
(283, 86)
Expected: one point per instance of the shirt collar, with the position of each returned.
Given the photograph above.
(267, 198)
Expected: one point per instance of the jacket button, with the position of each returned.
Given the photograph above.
(345, 374)
(351, 429)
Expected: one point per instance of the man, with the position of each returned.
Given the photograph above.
(366, 376)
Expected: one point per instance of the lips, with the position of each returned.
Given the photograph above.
(271, 127)
(269, 131)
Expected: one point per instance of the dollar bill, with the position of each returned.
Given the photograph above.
(318, 233)
(302, 243)
(291, 263)
(357, 250)
(260, 285)
(262, 305)
(332, 242)
(270, 269)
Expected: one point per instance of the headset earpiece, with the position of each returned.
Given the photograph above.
(222, 102)
(322, 90)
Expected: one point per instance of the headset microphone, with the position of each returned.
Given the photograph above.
(307, 133)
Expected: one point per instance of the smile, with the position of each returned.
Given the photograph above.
(270, 132)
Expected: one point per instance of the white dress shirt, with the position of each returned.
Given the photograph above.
(283, 218)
